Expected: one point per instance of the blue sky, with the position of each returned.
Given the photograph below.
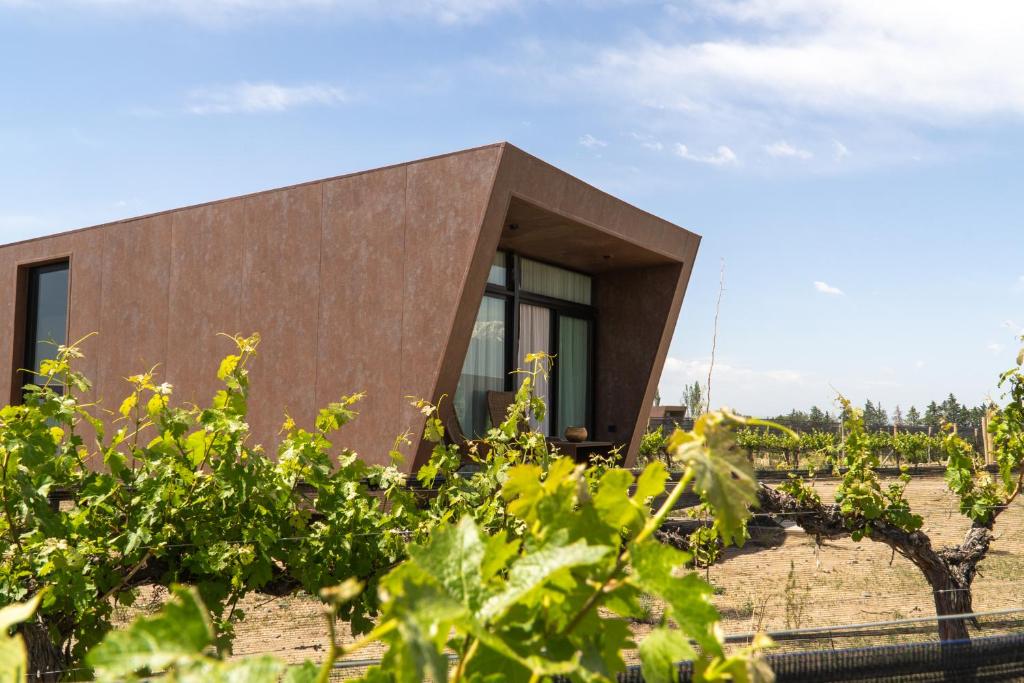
(855, 164)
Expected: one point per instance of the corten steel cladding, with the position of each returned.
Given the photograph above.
(365, 282)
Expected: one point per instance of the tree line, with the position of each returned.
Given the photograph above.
(875, 416)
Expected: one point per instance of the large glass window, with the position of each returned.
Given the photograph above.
(484, 368)
(46, 315)
(573, 368)
(530, 307)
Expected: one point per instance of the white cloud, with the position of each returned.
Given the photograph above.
(723, 155)
(783, 149)
(591, 142)
(826, 288)
(218, 11)
(261, 97)
(698, 369)
(941, 61)
(919, 364)
(841, 150)
(995, 347)
(732, 384)
(648, 141)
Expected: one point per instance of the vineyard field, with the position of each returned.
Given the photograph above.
(778, 580)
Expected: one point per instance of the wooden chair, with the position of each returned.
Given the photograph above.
(498, 403)
(454, 435)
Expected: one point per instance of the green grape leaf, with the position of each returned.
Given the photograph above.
(612, 501)
(258, 669)
(651, 481)
(531, 571)
(20, 612)
(13, 656)
(660, 654)
(688, 597)
(498, 553)
(723, 476)
(454, 557)
(176, 635)
(306, 672)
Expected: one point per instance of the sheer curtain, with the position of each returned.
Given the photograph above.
(535, 337)
(571, 365)
(484, 368)
(555, 282)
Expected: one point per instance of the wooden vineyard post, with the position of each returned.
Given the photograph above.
(986, 438)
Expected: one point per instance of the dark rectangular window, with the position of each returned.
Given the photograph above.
(46, 316)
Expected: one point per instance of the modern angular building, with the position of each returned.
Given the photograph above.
(424, 279)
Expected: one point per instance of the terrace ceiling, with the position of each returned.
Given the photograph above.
(536, 233)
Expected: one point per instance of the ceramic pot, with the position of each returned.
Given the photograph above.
(575, 434)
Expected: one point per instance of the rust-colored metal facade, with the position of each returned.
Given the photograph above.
(365, 282)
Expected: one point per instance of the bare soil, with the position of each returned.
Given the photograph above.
(780, 580)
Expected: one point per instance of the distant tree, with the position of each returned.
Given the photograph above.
(693, 399)
(952, 410)
(933, 415)
(657, 397)
(794, 419)
(818, 419)
(897, 417)
(974, 415)
(875, 416)
(913, 417)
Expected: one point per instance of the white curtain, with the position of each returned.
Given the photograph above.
(535, 337)
(484, 368)
(555, 282)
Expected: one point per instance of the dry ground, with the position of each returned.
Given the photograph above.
(780, 580)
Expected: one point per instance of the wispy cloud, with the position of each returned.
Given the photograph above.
(446, 12)
(994, 347)
(248, 98)
(783, 149)
(735, 384)
(698, 369)
(591, 142)
(723, 156)
(826, 288)
(833, 56)
(648, 141)
(841, 151)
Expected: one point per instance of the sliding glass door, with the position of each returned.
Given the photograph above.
(572, 369)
